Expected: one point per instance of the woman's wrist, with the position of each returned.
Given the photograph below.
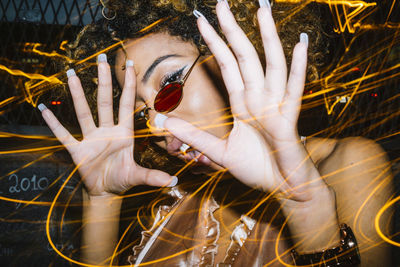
(100, 227)
(313, 224)
(105, 197)
(101, 199)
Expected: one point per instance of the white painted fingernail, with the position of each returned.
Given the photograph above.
(304, 38)
(174, 181)
(102, 58)
(198, 14)
(71, 73)
(225, 1)
(264, 3)
(184, 147)
(42, 107)
(129, 63)
(159, 120)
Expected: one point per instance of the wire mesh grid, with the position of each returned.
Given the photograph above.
(32, 34)
(63, 12)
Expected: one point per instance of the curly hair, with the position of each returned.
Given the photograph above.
(126, 19)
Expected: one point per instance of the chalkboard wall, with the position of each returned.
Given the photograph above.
(38, 177)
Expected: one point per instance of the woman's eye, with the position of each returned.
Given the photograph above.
(172, 77)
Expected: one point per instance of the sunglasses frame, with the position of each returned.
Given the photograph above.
(181, 83)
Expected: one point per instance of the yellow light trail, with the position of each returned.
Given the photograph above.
(153, 24)
(33, 47)
(349, 11)
(378, 216)
(63, 44)
(32, 76)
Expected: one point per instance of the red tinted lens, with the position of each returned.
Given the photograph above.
(168, 98)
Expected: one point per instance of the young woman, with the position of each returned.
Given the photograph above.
(236, 117)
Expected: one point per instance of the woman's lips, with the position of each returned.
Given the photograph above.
(173, 145)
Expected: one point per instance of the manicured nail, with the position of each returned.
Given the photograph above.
(42, 107)
(174, 181)
(70, 73)
(159, 120)
(264, 3)
(304, 38)
(225, 1)
(184, 147)
(102, 58)
(198, 14)
(129, 63)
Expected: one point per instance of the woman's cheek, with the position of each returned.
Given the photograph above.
(210, 113)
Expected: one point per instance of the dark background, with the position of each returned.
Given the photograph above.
(373, 113)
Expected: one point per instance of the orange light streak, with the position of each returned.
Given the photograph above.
(153, 24)
(349, 10)
(32, 76)
(63, 44)
(30, 150)
(354, 91)
(377, 221)
(53, 204)
(35, 50)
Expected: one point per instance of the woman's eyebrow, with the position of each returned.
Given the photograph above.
(152, 67)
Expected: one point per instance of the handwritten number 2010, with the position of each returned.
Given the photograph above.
(27, 185)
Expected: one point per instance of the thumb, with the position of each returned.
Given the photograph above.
(212, 146)
(154, 177)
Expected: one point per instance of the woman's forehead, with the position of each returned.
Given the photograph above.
(145, 49)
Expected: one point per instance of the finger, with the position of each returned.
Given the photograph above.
(228, 66)
(56, 127)
(297, 76)
(127, 102)
(246, 55)
(153, 177)
(276, 72)
(104, 93)
(82, 109)
(210, 145)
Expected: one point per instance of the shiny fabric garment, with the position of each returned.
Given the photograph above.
(186, 233)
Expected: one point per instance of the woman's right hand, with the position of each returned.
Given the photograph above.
(105, 154)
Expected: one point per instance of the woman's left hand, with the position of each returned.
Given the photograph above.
(263, 149)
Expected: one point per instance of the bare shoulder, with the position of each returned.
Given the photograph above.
(359, 172)
(348, 150)
(351, 164)
(320, 148)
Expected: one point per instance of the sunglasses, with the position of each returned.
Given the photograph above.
(170, 95)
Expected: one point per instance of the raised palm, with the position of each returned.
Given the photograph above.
(105, 155)
(263, 149)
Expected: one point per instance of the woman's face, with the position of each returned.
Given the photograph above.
(157, 57)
